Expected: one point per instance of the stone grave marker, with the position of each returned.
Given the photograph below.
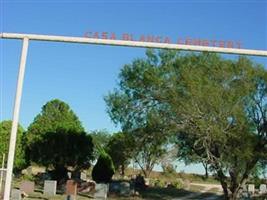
(83, 176)
(147, 181)
(125, 189)
(263, 189)
(15, 194)
(50, 188)
(71, 189)
(27, 187)
(114, 187)
(101, 191)
(70, 197)
(86, 187)
(69, 174)
(251, 188)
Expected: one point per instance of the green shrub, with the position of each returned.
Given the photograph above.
(178, 184)
(104, 169)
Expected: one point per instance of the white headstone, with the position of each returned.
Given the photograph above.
(263, 189)
(147, 181)
(101, 191)
(83, 176)
(15, 194)
(125, 189)
(251, 188)
(50, 188)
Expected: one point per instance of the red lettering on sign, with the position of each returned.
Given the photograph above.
(142, 38)
(127, 36)
(205, 43)
(113, 36)
(230, 44)
(158, 39)
(104, 35)
(180, 41)
(196, 42)
(213, 43)
(188, 41)
(167, 40)
(150, 38)
(221, 43)
(96, 35)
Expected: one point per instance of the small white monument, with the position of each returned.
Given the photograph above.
(15, 194)
(101, 191)
(251, 188)
(50, 188)
(263, 189)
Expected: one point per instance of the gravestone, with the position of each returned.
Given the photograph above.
(83, 176)
(70, 197)
(263, 189)
(27, 187)
(69, 174)
(86, 187)
(245, 194)
(147, 181)
(114, 187)
(15, 194)
(71, 188)
(101, 191)
(251, 188)
(50, 188)
(125, 189)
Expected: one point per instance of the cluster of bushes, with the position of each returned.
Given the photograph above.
(56, 140)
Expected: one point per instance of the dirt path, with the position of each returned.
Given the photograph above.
(207, 188)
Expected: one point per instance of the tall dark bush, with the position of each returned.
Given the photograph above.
(104, 169)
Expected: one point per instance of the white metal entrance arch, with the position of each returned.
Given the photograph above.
(83, 40)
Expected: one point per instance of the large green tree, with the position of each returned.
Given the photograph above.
(62, 149)
(55, 114)
(120, 149)
(56, 139)
(215, 106)
(144, 124)
(5, 129)
(140, 116)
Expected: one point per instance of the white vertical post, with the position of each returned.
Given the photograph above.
(13, 135)
(2, 172)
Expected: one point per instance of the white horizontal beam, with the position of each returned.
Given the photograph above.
(133, 44)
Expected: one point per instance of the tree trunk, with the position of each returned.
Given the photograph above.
(223, 182)
(225, 190)
(122, 170)
(234, 195)
(206, 170)
(60, 173)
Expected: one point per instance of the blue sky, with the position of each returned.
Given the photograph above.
(82, 74)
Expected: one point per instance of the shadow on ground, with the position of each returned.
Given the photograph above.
(173, 193)
(164, 193)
